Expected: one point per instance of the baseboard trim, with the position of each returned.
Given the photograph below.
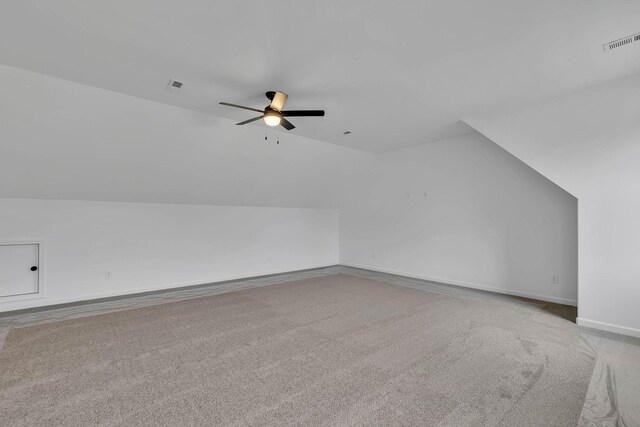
(608, 327)
(54, 303)
(470, 285)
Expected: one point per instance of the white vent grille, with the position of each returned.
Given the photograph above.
(621, 42)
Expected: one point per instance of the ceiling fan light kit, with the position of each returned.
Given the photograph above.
(272, 118)
(273, 115)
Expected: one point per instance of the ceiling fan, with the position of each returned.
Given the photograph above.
(273, 114)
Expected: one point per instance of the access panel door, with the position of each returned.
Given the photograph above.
(19, 269)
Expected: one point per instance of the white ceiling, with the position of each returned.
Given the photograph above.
(394, 73)
(586, 142)
(62, 140)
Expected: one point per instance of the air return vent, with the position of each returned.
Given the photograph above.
(174, 86)
(621, 42)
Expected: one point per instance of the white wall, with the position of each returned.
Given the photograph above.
(589, 143)
(487, 221)
(154, 246)
(609, 293)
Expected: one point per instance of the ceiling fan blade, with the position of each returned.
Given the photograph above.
(240, 106)
(278, 101)
(249, 121)
(286, 124)
(303, 113)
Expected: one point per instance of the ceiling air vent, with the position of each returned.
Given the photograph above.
(174, 86)
(621, 42)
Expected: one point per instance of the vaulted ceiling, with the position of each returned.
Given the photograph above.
(394, 73)
(587, 142)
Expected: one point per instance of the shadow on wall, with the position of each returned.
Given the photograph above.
(566, 312)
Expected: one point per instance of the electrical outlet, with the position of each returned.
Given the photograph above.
(107, 275)
(555, 279)
(374, 255)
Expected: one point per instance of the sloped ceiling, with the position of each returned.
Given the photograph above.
(394, 73)
(62, 140)
(581, 141)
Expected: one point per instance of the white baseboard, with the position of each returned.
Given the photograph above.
(446, 281)
(623, 330)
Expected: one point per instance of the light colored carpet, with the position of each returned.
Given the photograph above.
(334, 350)
(613, 399)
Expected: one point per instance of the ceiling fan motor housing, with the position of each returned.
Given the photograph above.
(269, 112)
